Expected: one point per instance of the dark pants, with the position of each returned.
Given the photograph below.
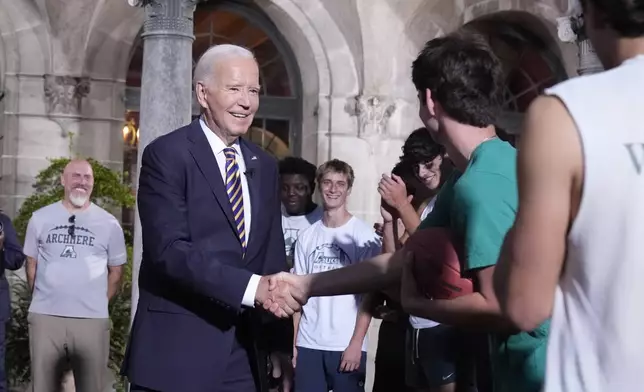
(390, 357)
(239, 377)
(3, 350)
(241, 371)
(319, 371)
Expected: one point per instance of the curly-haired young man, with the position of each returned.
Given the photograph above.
(431, 362)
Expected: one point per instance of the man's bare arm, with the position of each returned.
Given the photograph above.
(409, 218)
(479, 310)
(114, 274)
(550, 175)
(389, 242)
(374, 274)
(297, 316)
(363, 319)
(31, 272)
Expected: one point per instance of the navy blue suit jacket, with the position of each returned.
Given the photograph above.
(193, 276)
(12, 259)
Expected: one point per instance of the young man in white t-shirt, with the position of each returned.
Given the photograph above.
(297, 184)
(330, 346)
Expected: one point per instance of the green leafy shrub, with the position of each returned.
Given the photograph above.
(110, 193)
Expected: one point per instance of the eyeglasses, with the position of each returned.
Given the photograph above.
(72, 228)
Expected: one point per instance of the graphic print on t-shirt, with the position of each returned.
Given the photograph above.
(327, 257)
(290, 236)
(636, 159)
(61, 235)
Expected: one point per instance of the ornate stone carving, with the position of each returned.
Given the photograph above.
(167, 17)
(63, 94)
(373, 114)
(566, 27)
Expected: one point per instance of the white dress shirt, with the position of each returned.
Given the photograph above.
(217, 145)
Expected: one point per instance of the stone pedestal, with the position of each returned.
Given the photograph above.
(166, 92)
(571, 29)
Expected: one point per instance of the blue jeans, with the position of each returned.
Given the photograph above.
(318, 371)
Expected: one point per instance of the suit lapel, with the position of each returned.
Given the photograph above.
(207, 163)
(254, 180)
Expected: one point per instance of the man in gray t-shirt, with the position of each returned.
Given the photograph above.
(75, 252)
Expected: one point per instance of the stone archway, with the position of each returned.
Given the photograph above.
(530, 57)
(115, 27)
(25, 59)
(539, 16)
(331, 78)
(537, 20)
(319, 47)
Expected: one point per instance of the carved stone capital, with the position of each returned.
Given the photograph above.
(373, 113)
(63, 94)
(167, 17)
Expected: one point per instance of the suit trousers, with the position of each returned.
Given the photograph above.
(56, 343)
(242, 369)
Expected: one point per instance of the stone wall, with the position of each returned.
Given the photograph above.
(64, 67)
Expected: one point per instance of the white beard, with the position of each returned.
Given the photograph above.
(78, 200)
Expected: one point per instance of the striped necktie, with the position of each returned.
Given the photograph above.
(235, 194)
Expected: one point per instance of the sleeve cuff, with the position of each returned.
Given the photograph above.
(249, 295)
(116, 262)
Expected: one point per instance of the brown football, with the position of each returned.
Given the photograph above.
(437, 267)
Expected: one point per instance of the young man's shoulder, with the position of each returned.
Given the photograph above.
(590, 82)
(364, 233)
(306, 234)
(485, 188)
(494, 158)
(362, 226)
(491, 177)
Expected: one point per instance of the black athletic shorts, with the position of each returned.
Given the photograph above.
(390, 357)
(433, 356)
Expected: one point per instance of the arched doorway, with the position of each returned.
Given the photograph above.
(530, 62)
(277, 124)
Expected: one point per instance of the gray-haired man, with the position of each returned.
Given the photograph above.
(75, 252)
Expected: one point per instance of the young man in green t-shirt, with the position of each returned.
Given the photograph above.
(459, 82)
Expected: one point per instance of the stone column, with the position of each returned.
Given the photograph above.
(166, 93)
(571, 29)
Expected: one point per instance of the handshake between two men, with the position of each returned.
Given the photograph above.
(283, 294)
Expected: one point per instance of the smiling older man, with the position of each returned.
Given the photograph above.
(210, 216)
(75, 251)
